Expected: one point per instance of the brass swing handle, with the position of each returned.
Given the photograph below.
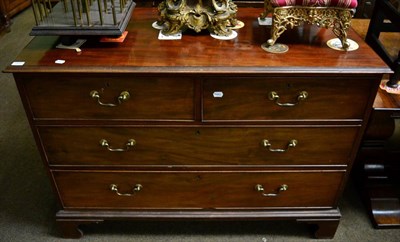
(291, 143)
(273, 96)
(282, 188)
(137, 188)
(129, 144)
(123, 96)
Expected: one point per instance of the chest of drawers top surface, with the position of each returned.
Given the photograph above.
(142, 52)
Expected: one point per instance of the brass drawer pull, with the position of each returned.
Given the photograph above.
(137, 188)
(291, 143)
(260, 188)
(129, 144)
(121, 98)
(273, 96)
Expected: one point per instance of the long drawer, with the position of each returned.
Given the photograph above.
(288, 98)
(110, 97)
(197, 146)
(197, 190)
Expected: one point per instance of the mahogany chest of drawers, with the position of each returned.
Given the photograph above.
(10, 8)
(198, 128)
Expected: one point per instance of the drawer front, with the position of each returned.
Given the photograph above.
(195, 146)
(197, 190)
(112, 97)
(303, 98)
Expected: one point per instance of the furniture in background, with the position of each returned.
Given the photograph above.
(364, 8)
(8, 8)
(385, 18)
(154, 130)
(81, 18)
(326, 14)
(378, 165)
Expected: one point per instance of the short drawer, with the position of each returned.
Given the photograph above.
(197, 190)
(109, 97)
(260, 99)
(197, 146)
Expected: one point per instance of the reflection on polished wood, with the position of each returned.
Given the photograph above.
(143, 52)
(197, 119)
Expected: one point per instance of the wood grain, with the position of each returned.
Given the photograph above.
(142, 52)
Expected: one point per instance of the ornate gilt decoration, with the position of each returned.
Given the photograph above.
(217, 16)
(267, 9)
(339, 19)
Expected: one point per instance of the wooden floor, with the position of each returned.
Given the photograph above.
(390, 40)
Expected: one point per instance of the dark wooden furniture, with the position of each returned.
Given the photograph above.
(194, 128)
(8, 8)
(365, 8)
(385, 18)
(378, 167)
